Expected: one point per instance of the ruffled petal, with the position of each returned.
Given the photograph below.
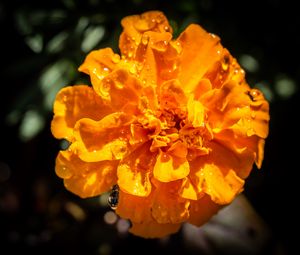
(170, 168)
(85, 179)
(202, 210)
(107, 139)
(72, 104)
(215, 174)
(134, 171)
(234, 107)
(121, 91)
(246, 149)
(172, 96)
(188, 191)
(98, 64)
(136, 25)
(153, 229)
(135, 208)
(168, 206)
(200, 51)
(196, 113)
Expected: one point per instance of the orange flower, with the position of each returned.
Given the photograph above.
(172, 122)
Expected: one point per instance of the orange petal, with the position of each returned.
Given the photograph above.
(135, 208)
(120, 89)
(153, 229)
(171, 95)
(85, 179)
(202, 210)
(170, 168)
(215, 174)
(134, 171)
(107, 139)
(72, 104)
(224, 70)
(246, 149)
(200, 51)
(136, 25)
(168, 206)
(98, 64)
(203, 86)
(233, 107)
(222, 189)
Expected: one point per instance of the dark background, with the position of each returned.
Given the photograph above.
(41, 48)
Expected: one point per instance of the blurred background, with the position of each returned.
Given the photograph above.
(42, 45)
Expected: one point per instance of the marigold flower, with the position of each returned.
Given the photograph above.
(172, 122)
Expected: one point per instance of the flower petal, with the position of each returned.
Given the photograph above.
(98, 64)
(107, 139)
(246, 149)
(120, 89)
(200, 51)
(196, 114)
(233, 107)
(170, 168)
(85, 179)
(153, 229)
(202, 210)
(168, 206)
(135, 208)
(188, 191)
(215, 174)
(134, 171)
(72, 104)
(136, 25)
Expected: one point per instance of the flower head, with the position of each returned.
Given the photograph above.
(172, 122)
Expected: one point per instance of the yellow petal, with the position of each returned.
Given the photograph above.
(72, 104)
(196, 113)
(188, 191)
(134, 171)
(170, 168)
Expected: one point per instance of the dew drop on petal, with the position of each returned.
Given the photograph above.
(115, 58)
(225, 63)
(145, 39)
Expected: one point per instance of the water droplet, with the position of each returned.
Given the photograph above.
(115, 58)
(218, 52)
(254, 94)
(113, 198)
(105, 69)
(145, 39)
(132, 69)
(166, 28)
(165, 42)
(130, 54)
(253, 114)
(225, 62)
(65, 98)
(212, 35)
